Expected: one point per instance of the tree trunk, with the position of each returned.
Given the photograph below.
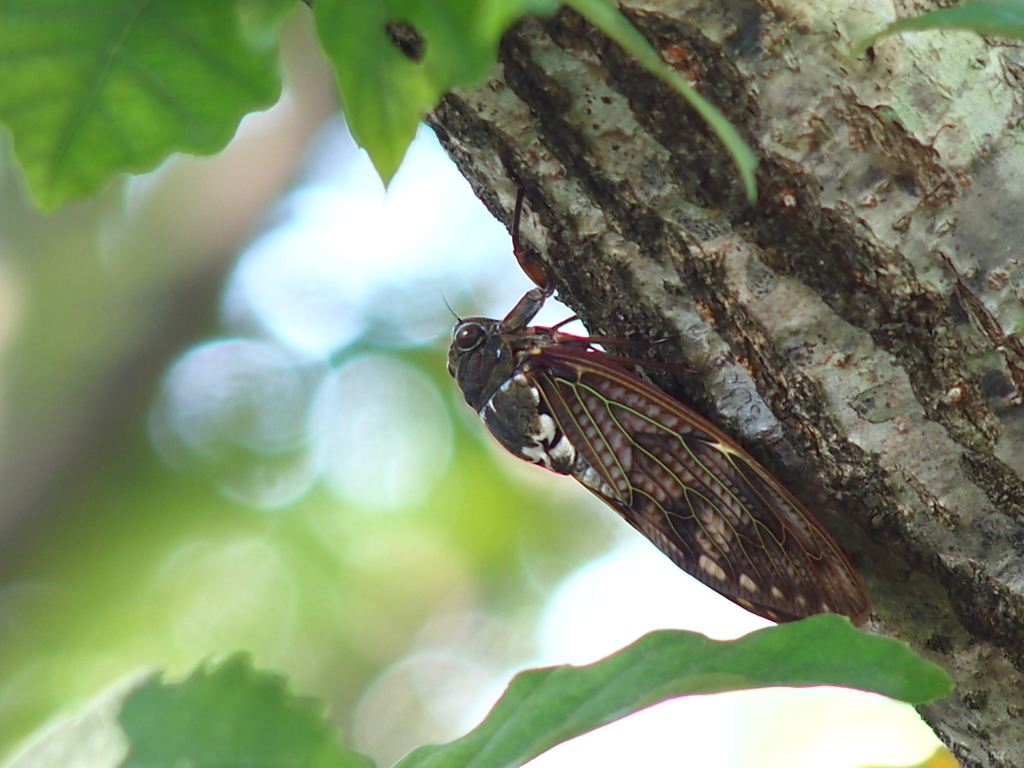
(854, 328)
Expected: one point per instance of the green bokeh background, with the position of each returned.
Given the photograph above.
(111, 561)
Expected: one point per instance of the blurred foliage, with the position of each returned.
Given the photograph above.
(123, 563)
(110, 560)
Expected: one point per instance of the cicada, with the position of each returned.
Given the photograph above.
(555, 399)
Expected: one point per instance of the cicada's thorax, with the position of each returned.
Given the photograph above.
(493, 368)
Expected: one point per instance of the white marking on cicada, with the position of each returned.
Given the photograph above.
(558, 457)
(777, 594)
(563, 452)
(547, 430)
(711, 568)
(535, 453)
(748, 583)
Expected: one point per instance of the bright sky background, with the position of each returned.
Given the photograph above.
(344, 261)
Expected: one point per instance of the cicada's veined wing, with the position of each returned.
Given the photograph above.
(691, 490)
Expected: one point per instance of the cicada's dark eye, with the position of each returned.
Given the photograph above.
(468, 336)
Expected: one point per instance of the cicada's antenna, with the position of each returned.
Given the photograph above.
(454, 313)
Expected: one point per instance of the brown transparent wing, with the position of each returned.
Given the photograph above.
(691, 490)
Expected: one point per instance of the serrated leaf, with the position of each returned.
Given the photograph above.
(222, 715)
(385, 94)
(1004, 18)
(89, 90)
(230, 715)
(544, 707)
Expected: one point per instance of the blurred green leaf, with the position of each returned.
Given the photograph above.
(1004, 18)
(93, 89)
(230, 714)
(609, 19)
(544, 707)
(384, 92)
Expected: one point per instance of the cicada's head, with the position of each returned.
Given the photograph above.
(481, 358)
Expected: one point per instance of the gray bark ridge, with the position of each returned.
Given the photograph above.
(855, 329)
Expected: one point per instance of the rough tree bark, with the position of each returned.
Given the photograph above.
(854, 328)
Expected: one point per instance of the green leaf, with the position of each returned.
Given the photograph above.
(230, 715)
(609, 19)
(93, 89)
(1004, 18)
(544, 707)
(385, 93)
(261, 20)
